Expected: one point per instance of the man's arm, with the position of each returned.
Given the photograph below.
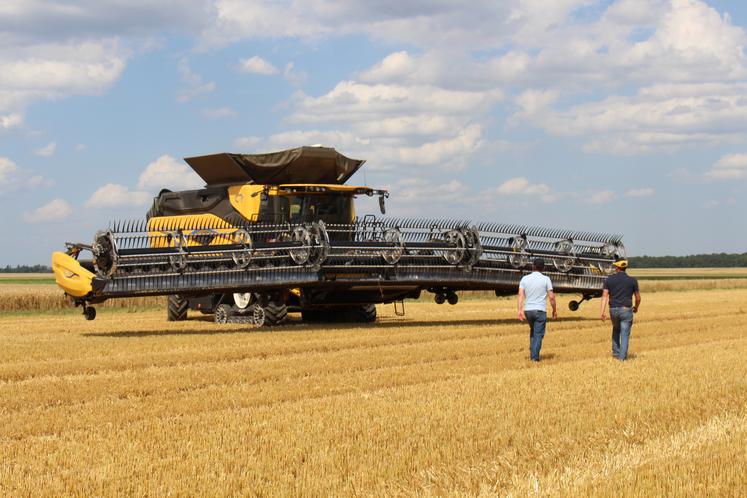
(637, 301)
(520, 299)
(551, 295)
(605, 299)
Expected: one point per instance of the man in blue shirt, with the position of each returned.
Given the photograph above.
(619, 290)
(534, 289)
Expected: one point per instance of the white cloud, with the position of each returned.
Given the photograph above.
(257, 65)
(11, 176)
(43, 19)
(43, 71)
(601, 197)
(55, 210)
(640, 192)
(80, 147)
(247, 142)
(47, 150)
(167, 172)
(194, 85)
(113, 195)
(10, 121)
(659, 117)
(729, 167)
(350, 101)
(8, 170)
(394, 67)
(422, 191)
(220, 113)
(521, 185)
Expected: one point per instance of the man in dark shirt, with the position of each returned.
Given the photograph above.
(619, 290)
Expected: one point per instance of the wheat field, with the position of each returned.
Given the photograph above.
(441, 402)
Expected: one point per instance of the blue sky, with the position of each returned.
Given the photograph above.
(626, 116)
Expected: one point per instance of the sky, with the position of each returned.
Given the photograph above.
(622, 116)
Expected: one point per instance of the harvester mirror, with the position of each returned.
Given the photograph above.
(382, 206)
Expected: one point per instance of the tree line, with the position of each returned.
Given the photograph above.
(719, 260)
(26, 269)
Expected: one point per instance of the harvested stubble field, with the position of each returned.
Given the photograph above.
(440, 402)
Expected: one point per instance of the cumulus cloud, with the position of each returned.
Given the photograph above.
(729, 167)
(257, 65)
(42, 19)
(193, 83)
(42, 71)
(55, 210)
(10, 121)
(351, 101)
(422, 191)
(168, 172)
(11, 176)
(521, 185)
(47, 150)
(601, 197)
(640, 192)
(113, 195)
(683, 60)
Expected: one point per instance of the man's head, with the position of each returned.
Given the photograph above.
(621, 264)
(538, 264)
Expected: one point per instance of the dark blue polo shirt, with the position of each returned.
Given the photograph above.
(621, 287)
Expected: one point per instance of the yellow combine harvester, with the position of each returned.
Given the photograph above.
(276, 233)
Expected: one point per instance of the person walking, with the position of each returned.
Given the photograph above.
(618, 291)
(534, 289)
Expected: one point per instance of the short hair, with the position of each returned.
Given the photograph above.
(538, 263)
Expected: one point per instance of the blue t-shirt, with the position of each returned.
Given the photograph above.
(536, 286)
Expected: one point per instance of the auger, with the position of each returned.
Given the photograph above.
(252, 246)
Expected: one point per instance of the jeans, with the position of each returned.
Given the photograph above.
(536, 321)
(622, 322)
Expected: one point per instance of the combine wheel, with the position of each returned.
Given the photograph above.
(222, 312)
(362, 314)
(573, 305)
(270, 315)
(176, 308)
(452, 298)
(89, 312)
(439, 298)
(314, 315)
(242, 299)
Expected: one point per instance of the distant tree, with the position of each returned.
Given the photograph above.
(26, 269)
(718, 260)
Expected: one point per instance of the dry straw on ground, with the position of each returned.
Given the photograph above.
(442, 402)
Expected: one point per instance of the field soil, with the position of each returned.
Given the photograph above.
(440, 402)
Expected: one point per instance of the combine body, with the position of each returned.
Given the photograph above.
(274, 233)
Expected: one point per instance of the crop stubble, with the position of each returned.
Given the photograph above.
(441, 402)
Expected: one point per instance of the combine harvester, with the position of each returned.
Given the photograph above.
(277, 233)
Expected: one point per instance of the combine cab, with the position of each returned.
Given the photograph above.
(277, 233)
